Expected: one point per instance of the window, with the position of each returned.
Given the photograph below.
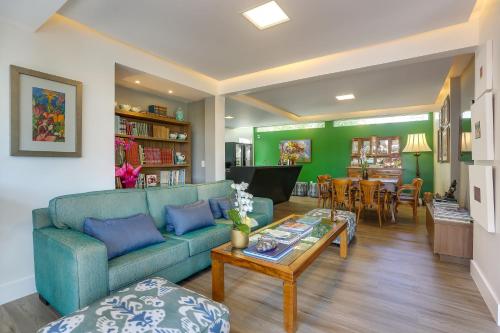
(380, 120)
(466, 115)
(290, 127)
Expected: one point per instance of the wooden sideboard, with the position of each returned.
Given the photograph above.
(377, 172)
(452, 241)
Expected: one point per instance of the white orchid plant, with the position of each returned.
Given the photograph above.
(243, 204)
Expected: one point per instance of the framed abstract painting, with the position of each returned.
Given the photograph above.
(46, 114)
(295, 150)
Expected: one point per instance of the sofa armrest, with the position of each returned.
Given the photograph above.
(71, 268)
(263, 206)
(41, 218)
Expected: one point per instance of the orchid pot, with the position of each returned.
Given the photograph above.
(242, 205)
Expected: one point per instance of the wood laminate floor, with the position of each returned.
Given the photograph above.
(391, 282)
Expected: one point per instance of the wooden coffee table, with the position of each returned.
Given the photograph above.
(287, 269)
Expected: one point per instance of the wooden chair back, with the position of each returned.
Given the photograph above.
(369, 190)
(417, 182)
(340, 189)
(324, 178)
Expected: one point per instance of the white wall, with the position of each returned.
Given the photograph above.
(235, 134)
(196, 115)
(63, 48)
(485, 267)
(442, 171)
(214, 138)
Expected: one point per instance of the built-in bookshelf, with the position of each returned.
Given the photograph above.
(150, 145)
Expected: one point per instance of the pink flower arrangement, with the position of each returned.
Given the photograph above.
(127, 173)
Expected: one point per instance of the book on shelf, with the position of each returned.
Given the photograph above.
(172, 177)
(273, 255)
(125, 126)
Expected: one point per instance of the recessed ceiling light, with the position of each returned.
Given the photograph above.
(229, 117)
(266, 15)
(170, 92)
(345, 97)
(137, 82)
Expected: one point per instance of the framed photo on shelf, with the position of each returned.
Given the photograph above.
(444, 115)
(151, 180)
(46, 114)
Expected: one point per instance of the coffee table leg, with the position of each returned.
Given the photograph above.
(290, 306)
(343, 244)
(217, 280)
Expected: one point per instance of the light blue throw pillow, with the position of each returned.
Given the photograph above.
(189, 218)
(124, 235)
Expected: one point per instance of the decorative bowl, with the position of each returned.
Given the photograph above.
(182, 136)
(173, 136)
(135, 109)
(124, 107)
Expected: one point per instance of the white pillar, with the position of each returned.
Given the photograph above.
(214, 138)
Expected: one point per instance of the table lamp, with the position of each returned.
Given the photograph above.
(416, 144)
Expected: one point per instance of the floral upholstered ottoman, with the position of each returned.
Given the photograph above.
(344, 215)
(152, 306)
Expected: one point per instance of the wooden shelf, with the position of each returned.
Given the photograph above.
(159, 166)
(151, 117)
(150, 138)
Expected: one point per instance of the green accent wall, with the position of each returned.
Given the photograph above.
(331, 148)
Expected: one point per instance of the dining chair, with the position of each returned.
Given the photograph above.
(409, 194)
(324, 190)
(370, 196)
(341, 194)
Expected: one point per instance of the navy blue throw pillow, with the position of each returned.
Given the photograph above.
(224, 207)
(123, 235)
(189, 218)
(168, 225)
(215, 206)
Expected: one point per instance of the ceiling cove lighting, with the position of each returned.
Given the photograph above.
(229, 117)
(345, 97)
(266, 15)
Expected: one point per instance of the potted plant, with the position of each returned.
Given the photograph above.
(243, 204)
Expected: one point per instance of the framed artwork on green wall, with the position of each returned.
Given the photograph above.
(295, 151)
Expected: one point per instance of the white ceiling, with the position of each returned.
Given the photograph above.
(213, 38)
(126, 77)
(379, 88)
(249, 116)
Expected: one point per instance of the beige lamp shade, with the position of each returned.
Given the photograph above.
(466, 144)
(416, 143)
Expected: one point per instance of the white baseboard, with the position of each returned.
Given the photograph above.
(16, 289)
(486, 291)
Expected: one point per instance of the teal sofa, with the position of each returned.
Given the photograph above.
(72, 269)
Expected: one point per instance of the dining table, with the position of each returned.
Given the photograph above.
(390, 185)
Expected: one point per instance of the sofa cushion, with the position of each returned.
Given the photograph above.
(169, 227)
(139, 264)
(157, 198)
(123, 235)
(204, 239)
(214, 207)
(214, 190)
(189, 218)
(70, 211)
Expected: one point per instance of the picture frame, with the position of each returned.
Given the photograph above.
(483, 144)
(439, 145)
(297, 150)
(444, 115)
(445, 145)
(483, 69)
(46, 114)
(151, 180)
(482, 204)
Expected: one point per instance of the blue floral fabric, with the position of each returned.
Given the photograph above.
(152, 306)
(347, 216)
